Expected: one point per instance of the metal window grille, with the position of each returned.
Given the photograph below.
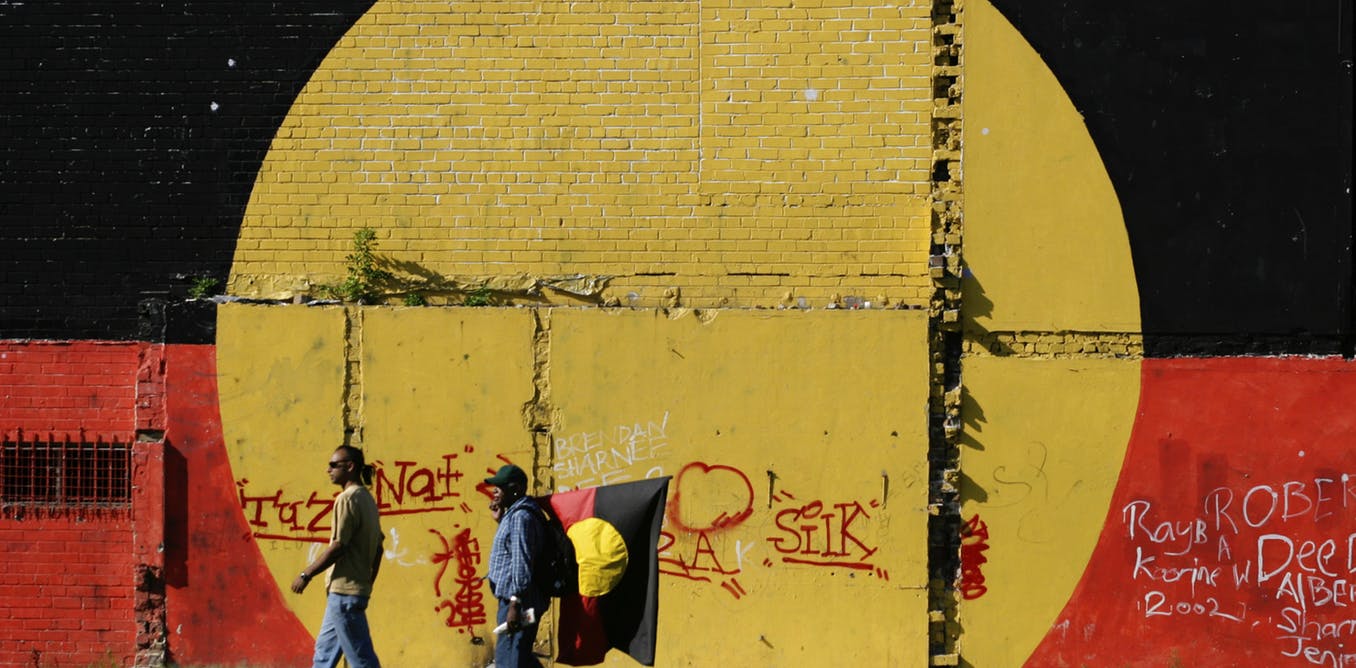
(62, 477)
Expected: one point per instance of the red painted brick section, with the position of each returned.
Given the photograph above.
(150, 399)
(82, 591)
(67, 588)
(64, 388)
(148, 551)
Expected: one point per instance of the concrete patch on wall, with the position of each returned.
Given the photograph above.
(444, 392)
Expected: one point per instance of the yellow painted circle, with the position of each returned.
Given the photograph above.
(601, 553)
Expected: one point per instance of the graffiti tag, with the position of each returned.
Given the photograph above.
(606, 457)
(402, 488)
(822, 535)
(1256, 555)
(466, 607)
(974, 543)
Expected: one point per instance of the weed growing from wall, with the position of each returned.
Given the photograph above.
(362, 283)
(480, 296)
(202, 287)
(372, 279)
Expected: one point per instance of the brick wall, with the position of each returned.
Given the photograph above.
(67, 590)
(80, 580)
(66, 388)
(118, 189)
(733, 156)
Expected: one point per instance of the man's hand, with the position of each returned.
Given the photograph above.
(324, 561)
(514, 618)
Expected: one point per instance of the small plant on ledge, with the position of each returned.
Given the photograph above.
(480, 296)
(202, 287)
(362, 284)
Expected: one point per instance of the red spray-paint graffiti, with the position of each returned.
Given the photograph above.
(695, 560)
(466, 607)
(708, 499)
(801, 541)
(711, 499)
(403, 488)
(974, 543)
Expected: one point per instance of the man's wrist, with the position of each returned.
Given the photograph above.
(306, 576)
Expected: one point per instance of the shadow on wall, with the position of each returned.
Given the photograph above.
(374, 278)
(978, 305)
(176, 517)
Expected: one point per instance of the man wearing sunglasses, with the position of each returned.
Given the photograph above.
(352, 559)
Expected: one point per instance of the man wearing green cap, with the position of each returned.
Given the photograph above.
(517, 544)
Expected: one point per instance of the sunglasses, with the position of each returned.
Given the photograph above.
(335, 464)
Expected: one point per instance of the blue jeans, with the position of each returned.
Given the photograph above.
(344, 631)
(514, 649)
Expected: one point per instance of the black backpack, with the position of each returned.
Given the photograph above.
(555, 569)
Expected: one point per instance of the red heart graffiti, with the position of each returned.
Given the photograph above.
(710, 497)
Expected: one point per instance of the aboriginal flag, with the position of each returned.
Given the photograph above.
(615, 531)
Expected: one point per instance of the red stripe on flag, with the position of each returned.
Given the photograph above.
(571, 507)
(582, 637)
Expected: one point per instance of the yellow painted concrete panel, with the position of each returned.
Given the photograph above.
(794, 499)
(798, 445)
(281, 379)
(1044, 238)
(1045, 441)
(443, 396)
(442, 399)
(464, 374)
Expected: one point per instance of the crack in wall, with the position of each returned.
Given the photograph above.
(353, 376)
(539, 414)
(945, 338)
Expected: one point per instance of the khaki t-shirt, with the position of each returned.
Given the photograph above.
(358, 526)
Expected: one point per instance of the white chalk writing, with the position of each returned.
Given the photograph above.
(609, 456)
(1259, 554)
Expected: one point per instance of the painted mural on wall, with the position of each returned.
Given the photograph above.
(153, 202)
(1164, 501)
(1193, 506)
(748, 524)
(1243, 556)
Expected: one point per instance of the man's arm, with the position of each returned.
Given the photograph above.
(376, 558)
(523, 551)
(325, 560)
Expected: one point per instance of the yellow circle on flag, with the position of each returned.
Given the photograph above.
(601, 553)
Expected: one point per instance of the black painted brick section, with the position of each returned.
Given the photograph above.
(1226, 130)
(118, 182)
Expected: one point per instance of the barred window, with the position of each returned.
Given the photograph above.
(64, 477)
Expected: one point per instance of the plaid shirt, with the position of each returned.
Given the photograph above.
(515, 547)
